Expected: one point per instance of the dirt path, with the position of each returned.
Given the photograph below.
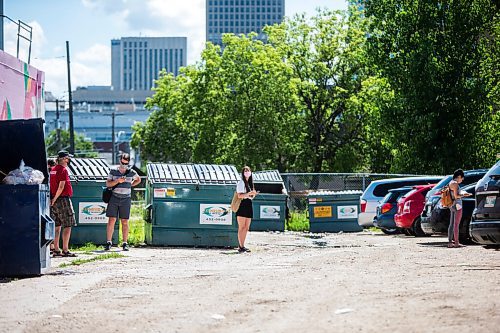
(290, 283)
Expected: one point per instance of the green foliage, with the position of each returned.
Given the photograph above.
(135, 226)
(290, 104)
(83, 148)
(428, 51)
(298, 222)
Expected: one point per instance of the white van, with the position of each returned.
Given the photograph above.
(378, 189)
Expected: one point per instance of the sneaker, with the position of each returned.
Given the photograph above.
(125, 247)
(108, 246)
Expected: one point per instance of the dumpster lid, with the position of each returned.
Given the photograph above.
(217, 174)
(326, 192)
(172, 173)
(267, 176)
(88, 169)
(23, 139)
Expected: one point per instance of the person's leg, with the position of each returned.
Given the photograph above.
(110, 228)
(56, 239)
(66, 234)
(124, 230)
(451, 226)
(458, 218)
(241, 230)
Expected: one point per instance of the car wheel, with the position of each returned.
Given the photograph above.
(417, 228)
(463, 232)
(393, 231)
(408, 232)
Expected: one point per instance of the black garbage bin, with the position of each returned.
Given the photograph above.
(26, 229)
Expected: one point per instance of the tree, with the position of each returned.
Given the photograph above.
(330, 71)
(83, 148)
(428, 51)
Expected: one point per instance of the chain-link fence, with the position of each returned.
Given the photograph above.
(299, 185)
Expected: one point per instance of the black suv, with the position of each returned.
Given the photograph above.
(485, 223)
(433, 196)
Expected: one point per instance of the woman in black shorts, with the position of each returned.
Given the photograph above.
(244, 215)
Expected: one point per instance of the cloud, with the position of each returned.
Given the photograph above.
(11, 38)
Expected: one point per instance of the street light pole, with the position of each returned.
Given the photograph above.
(113, 159)
(71, 127)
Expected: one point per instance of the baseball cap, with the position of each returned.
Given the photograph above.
(63, 153)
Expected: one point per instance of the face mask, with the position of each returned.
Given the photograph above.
(247, 174)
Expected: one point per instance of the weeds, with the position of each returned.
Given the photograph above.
(298, 222)
(78, 262)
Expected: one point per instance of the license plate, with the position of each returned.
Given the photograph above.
(490, 201)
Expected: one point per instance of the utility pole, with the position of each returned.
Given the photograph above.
(58, 127)
(1, 25)
(71, 127)
(113, 158)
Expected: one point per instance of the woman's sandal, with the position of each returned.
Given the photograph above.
(56, 253)
(68, 254)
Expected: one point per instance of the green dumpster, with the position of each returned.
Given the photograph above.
(334, 211)
(190, 205)
(269, 206)
(88, 177)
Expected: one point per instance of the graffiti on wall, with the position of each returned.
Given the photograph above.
(21, 89)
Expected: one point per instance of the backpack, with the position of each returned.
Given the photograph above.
(446, 200)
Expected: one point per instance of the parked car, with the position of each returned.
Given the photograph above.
(439, 218)
(433, 196)
(386, 210)
(485, 223)
(377, 190)
(409, 209)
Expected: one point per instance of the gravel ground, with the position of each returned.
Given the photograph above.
(360, 282)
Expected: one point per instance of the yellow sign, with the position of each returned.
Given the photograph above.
(323, 211)
(171, 192)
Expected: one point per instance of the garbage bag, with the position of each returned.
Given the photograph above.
(24, 175)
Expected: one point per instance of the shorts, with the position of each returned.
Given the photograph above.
(62, 213)
(246, 209)
(119, 207)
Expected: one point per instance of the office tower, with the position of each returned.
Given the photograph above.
(136, 61)
(241, 17)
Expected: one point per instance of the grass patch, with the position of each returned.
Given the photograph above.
(79, 262)
(374, 229)
(135, 226)
(88, 248)
(298, 222)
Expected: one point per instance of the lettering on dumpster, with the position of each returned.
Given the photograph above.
(171, 192)
(270, 212)
(92, 212)
(323, 211)
(347, 212)
(159, 193)
(218, 214)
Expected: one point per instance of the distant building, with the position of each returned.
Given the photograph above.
(241, 17)
(136, 61)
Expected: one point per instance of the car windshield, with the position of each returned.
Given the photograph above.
(495, 170)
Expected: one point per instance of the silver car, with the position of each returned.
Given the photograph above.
(378, 189)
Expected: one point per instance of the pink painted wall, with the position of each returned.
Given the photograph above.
(21, 89)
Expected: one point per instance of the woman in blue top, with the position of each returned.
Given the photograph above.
(244, 215)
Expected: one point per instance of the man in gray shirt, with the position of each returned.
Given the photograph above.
(121, 180)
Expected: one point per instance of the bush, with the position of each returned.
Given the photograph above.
(298, 221)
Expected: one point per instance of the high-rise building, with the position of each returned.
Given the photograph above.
(136, 61)
(241, 17)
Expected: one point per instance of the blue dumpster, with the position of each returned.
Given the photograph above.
(189, 205)
(26, 229)
(88, 177)
(270, 205)
(331, 211)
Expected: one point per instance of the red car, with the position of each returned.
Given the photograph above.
(410, 207)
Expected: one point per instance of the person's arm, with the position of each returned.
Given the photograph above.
(110, 182)
(60, 189)
(136, 179)
(456, 193)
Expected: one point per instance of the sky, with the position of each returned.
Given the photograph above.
(89, 26)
